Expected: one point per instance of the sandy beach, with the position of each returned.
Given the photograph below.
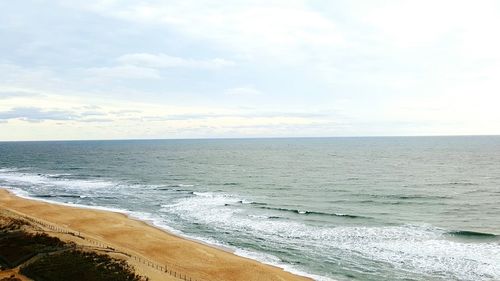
(153, 252)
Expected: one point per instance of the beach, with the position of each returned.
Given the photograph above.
(160, 251)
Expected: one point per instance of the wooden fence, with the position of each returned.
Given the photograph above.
(164, 268)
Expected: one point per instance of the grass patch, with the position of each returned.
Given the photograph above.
(79, 266)
(46, 258)
(18, 247)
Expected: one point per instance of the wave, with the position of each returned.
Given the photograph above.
(472, 234)
(464, 183)
(27, 195)
(203, 194)
(163, 188)
(73, 196)
(160, 222)
(302, 212)
(229, 200)
(63, 187)
(20, 178)
(258, 203)
(406, 197)
(7, 170)
(57, 195)
(265, 206)
(57, 176)
(418, 249)
(182, 185)
(274, 261)
(74, 168)
(174, 189)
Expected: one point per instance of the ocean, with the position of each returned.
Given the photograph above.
(381, 208)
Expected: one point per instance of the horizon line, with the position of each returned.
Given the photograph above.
(253, 138)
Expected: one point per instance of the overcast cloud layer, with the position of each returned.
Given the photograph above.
(188, 69)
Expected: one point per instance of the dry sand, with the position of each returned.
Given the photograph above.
(196, 260)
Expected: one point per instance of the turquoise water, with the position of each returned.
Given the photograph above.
(412, 208)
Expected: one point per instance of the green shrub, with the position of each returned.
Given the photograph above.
(79, 266)
(18, 247)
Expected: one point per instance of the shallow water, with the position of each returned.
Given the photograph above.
(423, 208)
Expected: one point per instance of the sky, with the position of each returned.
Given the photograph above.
(124, 69)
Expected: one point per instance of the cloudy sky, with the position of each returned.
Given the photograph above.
(196, 69)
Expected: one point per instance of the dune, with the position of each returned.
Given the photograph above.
(153, 252)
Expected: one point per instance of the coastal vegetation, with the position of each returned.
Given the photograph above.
(41, 257)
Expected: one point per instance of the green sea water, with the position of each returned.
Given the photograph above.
(398, 208)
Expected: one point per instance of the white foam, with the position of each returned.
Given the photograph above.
(219, 217)
(58, 175)
(420, 249)
(275, 261)
(153, 220)
(12, 176)
(258, 217)
(24, 194)
(149, 218)
(204, 194)
(7, 170)
(142, 216)
(18, 192)
(159, 222)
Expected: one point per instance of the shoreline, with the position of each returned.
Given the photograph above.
(171, 231)
(130, 215)
(119, 228)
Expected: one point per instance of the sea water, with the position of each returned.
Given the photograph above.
(396, 208)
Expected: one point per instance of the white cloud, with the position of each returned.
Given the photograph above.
(68, 117)
(17, 78)
(432, 66)
(123, 72)
(287, 30)
(33, 114)
(243, 91)
(6, 94)
(166, 61)
(465, 25)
